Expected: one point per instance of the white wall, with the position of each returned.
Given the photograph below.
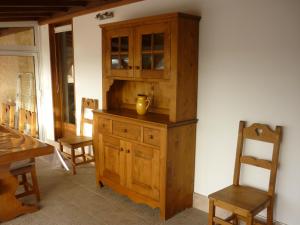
(249, 68)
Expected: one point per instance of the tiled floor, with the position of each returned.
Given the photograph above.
(77, 200)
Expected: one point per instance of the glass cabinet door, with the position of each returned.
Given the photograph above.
(119, 53)
(152, 55)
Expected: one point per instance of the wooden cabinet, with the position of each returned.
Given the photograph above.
(149, 158)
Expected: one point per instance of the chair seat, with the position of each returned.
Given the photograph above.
(243, 197)
(21, 164)
(75, 140)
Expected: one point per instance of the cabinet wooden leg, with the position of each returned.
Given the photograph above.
(10, 207)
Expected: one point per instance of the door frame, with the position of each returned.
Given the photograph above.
(56, 86)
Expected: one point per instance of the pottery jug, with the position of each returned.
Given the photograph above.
(142, 104)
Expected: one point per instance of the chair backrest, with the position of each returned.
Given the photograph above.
(87, 103)
(8, 114)
(258, 132)
(27, 122)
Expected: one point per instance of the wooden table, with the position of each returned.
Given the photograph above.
(15, 146)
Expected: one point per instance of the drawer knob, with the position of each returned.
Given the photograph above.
(103, 125)
(128, 151)
(151, 136)
(125, 130)
(121, 149)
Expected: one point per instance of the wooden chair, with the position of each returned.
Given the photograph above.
(27, 124)
(80, 142)
(8, 114)
(245, 202)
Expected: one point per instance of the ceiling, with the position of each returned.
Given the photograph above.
(47, 10)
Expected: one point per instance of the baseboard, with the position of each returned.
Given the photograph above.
(201, 202)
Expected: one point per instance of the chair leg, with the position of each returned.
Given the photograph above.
(35, 184)
(211, 213)
(236, 221)
(73, 160)
(250, 220)
(83, 154)
(25, 182)
(61, 147)
(270, 214)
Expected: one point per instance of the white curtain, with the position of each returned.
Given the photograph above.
(26, 93)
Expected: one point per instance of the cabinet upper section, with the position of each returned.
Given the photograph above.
(155, 56)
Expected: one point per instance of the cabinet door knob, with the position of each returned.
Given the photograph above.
(130, 67)
(151, 136)
(128, 151)
(137, 67)
(121, 149)
(125, 130)
(103, 125)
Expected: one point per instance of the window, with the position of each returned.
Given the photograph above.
(18, 65)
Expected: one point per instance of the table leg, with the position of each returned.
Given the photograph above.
(10, 206)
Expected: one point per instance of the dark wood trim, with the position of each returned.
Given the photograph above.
(90, 9)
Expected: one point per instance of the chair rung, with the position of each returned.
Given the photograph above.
(25, 194)
(231, 217)
(84, 162)
(256, 162)
(85, 120)
(220, 221)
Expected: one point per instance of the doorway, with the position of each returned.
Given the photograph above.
(63, 79)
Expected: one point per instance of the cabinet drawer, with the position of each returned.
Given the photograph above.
(104, 125)
(151, 136)
(126, 130)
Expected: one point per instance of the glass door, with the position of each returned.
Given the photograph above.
(63, 80)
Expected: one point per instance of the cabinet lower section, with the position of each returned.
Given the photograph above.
(151, 163)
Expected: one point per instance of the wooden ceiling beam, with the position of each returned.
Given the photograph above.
(42, 3)
(18, 19)
(35, 9)
(20, 15)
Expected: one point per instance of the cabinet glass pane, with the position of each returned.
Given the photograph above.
(124, 44)
(158, 61)
(146, 61)
(158, 42)
(115, 62)
(146, 41)
(124, 62)
(115, 44)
